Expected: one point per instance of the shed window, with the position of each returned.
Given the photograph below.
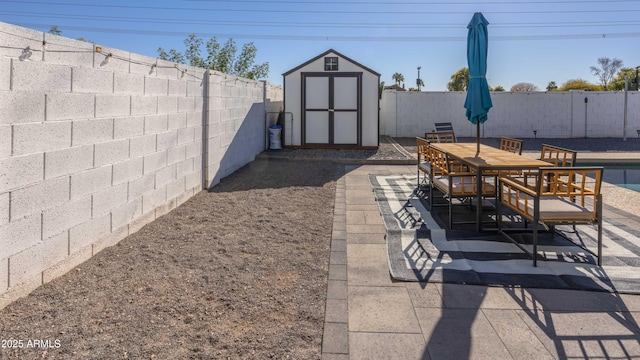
(331, 64)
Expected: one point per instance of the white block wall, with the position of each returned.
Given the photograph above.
(551, 114)
(237, 124)
(93, 149)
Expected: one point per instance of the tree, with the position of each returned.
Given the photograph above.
(552, 86)
(54, 30)
(498, 88)
(606, 70)
(617, 83)
(420, 83)
(459, 80)
(220, 58)
(523, 87)
(398, 78)
(192, 53)
(579, 84)
(223, 60)
(173, 56)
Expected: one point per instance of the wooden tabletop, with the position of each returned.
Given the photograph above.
(489, 157)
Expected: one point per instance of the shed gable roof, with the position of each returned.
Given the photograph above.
(330, 51)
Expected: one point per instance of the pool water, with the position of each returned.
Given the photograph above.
(627, 177)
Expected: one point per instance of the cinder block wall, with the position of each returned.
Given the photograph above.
(93, 147)
(237, 123)
(550, 114)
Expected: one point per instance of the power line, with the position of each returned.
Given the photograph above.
(341, 2)
(323, 2)
(296, 11)
(345, 38)
(317, 24)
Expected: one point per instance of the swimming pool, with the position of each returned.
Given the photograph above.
(623, 175)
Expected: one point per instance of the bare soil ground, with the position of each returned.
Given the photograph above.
(239, 272)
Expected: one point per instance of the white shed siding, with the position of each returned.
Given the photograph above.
(369, 92)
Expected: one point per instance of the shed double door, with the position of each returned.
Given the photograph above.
(331, 108)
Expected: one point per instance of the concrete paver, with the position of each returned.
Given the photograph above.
(455, 296)
(337, 289)
(382, 346)
(460, 334)
(582, 335)
(522, 342)
(381, 309)
(387, 319)
(336, 311)
(337, 272)
(335, 338)
(378, 238)
(367, 265)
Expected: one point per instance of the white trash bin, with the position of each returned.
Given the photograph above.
(275, 132)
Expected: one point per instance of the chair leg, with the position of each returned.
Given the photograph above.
(430, 194)
(450, 213)
(499, 211)
(599, 214)
(535, 246)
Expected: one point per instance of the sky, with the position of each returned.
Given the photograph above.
(532, 41)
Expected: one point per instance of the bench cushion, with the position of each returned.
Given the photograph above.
(425, 166)
(556, 209)
(460, 187)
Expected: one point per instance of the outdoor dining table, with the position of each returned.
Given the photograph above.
(489, 159)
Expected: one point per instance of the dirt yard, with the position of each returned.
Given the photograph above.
(239, 272)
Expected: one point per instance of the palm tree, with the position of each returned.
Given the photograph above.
(459, 80)
(552, 86)
(398, 78)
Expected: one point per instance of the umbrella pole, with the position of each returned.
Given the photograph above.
(478, 137)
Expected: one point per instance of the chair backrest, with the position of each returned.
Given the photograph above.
(570, 181)
(580, 185)
(431, 137)
(440, 137)
(438, 160)
(511, 145)
(443, 127)
(558, 156)
(422, 145)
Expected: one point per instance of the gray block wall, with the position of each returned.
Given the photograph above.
(94, 146)
(551, 114)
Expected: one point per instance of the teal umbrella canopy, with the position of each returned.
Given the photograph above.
(478, 101)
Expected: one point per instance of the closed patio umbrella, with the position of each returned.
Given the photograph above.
(478, 100)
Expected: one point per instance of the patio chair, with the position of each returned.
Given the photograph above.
(443, 127)
(558, 156)
(511, 145)
(440, 137)
(454, 181)
(561, 195)
(423, 161)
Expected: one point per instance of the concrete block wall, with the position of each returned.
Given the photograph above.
(237, 122)
(94, 146)
(550, 114)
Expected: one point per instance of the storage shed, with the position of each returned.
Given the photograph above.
(331, 101)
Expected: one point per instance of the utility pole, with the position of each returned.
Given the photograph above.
(418, 82)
